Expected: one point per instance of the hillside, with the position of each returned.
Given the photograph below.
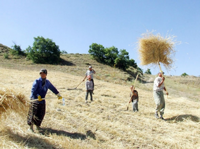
(77, 64)
(3, 49)
(104, 123)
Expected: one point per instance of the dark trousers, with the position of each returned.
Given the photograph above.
(92, 82)
(36, 114)
(88, 92)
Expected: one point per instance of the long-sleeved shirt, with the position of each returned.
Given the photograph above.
(157, 81)
(89, 85)
(39, 89)
(134, 97)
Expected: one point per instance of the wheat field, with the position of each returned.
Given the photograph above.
(103, 123)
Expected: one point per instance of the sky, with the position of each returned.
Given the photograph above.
(75, 24)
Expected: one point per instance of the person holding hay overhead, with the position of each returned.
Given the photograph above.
(155, 49)
(38, 93)
(158, 95)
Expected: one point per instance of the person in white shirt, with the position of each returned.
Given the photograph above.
(159, 96)
(90, 73)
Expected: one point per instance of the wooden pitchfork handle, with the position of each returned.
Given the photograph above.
(78, 85)
(136, 80)
(34, 100)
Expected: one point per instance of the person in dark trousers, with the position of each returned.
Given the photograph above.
(134, 99)
(89, 88)
(38, 93)
(90, 72)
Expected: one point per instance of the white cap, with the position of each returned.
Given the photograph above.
(90, 66)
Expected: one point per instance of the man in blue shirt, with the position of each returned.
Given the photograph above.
(38, 93)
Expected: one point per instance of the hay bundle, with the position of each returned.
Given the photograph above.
(155, 48)
(10, 100)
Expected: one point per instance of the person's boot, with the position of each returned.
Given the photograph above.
(156, 115)
(38, 128)
(161, 117)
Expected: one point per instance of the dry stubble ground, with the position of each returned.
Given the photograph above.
(103, 123)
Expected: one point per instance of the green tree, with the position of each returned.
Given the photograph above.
(132, 63)
(139, 70)
(63, 52)
(44, 51)
(184, 74)
(110, 55)
(98, 52)
(122, 61)
(148, 71)
(16, 50)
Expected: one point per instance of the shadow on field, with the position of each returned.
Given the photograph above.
(76, 89)
(30, 141)
(133, 77)
(48, 131)
(90, 134)
(68, 63)
(181, 118)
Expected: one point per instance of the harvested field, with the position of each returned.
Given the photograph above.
(104, 123)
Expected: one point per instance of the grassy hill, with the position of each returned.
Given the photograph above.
(77, 64)
(103, 123)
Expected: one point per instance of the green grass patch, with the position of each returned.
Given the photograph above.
(6, 55)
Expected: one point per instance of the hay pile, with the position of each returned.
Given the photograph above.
(155, 48)
(10, 100)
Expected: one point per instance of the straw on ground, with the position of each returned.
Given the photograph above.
(103, 123)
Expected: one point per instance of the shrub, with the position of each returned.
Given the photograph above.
(17, 51)
(148, 71)
(122, 61)
(98, 52)
(184, 74)
(132, 63)
(6, 56)
(111, 56)
(44, 51)
(139, 70)
(63, 52)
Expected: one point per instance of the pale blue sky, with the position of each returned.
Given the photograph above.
(76, 24)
